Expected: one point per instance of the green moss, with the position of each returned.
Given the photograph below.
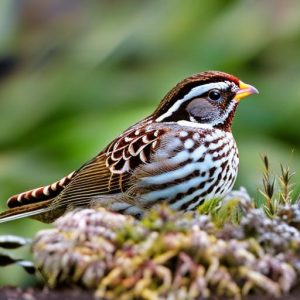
(172, 254)
(228, 247)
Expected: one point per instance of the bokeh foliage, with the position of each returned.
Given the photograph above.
(74, 74)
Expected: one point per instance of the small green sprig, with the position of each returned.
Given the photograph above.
(269, 203)
(277, 190)
(286, 186)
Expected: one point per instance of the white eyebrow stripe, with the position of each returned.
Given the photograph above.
(194, 92)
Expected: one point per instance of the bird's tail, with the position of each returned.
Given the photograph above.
(36, 203)
(29, 210)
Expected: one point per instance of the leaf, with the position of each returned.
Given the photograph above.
(6, 260)
(13, 242)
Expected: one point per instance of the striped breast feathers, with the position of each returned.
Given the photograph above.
(131, 149)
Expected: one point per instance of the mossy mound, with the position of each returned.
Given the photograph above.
(172, 255)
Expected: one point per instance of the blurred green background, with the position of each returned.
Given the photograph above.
(75, 73)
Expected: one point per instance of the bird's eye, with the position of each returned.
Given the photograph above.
(214, 95)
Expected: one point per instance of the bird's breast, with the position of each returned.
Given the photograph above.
(188, 167)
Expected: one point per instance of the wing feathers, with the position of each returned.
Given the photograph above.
(110, 173)
(25, 211)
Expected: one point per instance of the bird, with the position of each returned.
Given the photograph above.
(181, 155)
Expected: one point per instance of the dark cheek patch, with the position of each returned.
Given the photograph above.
(202, 110)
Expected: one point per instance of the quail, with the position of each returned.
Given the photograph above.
(182, 154)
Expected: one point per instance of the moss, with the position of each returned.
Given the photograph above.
(170, 254)
(228, 247)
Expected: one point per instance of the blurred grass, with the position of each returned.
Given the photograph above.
(74, 74)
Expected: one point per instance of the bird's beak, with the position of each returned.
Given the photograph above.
(244, 91)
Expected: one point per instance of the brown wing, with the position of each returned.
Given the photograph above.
(110, 172)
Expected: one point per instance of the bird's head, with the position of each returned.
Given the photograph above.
(207, 98)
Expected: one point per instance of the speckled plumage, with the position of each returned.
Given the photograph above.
(182, 154)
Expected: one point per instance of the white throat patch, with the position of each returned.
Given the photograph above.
(226, 114)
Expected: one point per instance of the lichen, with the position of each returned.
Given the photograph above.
(170, 255)
(226, 248)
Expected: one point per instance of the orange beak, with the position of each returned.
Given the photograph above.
(245, 91)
